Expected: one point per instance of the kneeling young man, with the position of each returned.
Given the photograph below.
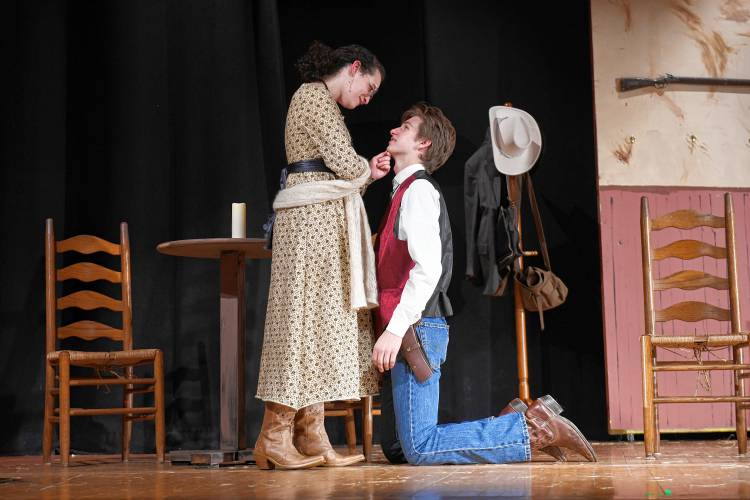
(414, 258)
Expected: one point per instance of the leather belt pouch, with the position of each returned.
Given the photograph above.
(413, 353)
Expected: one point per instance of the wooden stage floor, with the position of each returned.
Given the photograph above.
(686, 469)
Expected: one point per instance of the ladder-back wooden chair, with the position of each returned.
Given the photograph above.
(58, 382)
(691, 311)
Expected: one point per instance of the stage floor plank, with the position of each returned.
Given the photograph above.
(686, 469)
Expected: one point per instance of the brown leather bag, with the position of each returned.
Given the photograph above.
(413, 353)
(541, 289)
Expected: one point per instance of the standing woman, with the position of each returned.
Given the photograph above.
(318, 338)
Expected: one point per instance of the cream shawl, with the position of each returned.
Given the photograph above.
(364, 289)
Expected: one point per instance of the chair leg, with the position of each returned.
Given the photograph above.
(49, 412)
(657, 433)
(127, 422)
(649, 416)
(64, 426)
(367, 427)
(351, 431)
(159, 404)
(739, 411)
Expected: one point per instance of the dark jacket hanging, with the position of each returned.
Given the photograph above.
(482, 197)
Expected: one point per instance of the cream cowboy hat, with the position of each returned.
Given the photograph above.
(516, 140)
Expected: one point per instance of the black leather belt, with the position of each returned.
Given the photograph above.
(314, 165)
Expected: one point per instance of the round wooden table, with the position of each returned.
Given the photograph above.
(232, 254)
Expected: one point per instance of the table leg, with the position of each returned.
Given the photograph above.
(232, 313)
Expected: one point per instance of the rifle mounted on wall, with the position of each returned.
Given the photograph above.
(625, 84)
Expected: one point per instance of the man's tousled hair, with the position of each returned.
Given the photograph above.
(438, 129)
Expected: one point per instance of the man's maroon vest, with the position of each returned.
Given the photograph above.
(393, 261)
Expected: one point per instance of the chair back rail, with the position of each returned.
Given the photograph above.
(691, 280)
(89, 330)
(87, 244)
(691, 311)
(686, 219)
(88, 272)
(688, 250)
(89, 300)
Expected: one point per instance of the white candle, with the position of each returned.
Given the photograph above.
(238, 220)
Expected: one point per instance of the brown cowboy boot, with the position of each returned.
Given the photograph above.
(310, 437)
(519, 406)
(546, 428)
(274, 448)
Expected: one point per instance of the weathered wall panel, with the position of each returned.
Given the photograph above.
(682, 138)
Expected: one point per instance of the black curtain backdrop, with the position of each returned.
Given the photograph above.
(163, 112)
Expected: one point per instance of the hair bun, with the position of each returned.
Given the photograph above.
(314, 64)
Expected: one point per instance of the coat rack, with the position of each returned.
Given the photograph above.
(513, 183)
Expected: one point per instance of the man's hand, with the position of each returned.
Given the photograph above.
(380, 165)
(385, 351)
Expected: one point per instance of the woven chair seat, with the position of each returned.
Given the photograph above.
(702, 340)
(112, 358)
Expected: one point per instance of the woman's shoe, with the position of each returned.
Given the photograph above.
(310, 437)
(274, 448)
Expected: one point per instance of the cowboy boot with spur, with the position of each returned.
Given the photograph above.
(518, 406)
(547, 428)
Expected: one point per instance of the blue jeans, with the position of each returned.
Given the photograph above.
(492, 440)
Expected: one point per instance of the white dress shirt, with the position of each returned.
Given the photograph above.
(419, 226)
